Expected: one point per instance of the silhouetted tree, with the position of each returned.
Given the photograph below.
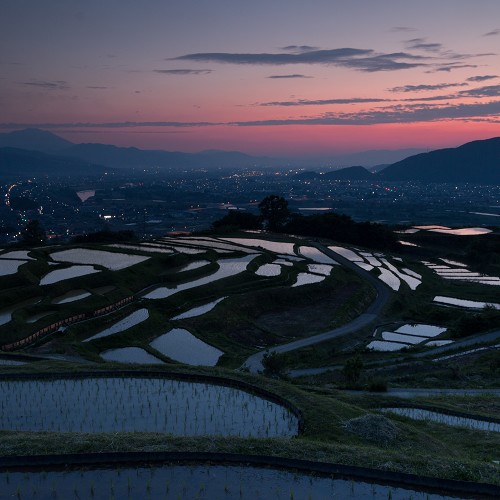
(237, 219)
(105, 237)
(274, 364)
(33, 234)
(274, 212)
(352, 370)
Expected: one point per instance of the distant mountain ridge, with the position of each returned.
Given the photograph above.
(119, 157)
(14, 161)
(34, 139)
(476, 161)
(130, 157)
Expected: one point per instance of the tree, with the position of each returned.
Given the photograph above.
(274, 212)
(237, 219)
(352, 370)
(274, 364)
(33, 234)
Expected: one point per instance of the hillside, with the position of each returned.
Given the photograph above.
(126, 157)
(477, 161)
(21, 162)
(34, 139)
(119, 157)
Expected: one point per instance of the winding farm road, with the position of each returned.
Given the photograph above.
(477, 340)
(422, 392)
(254, 362)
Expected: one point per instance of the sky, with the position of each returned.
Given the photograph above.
(290, 78)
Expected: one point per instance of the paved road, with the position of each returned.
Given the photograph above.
(416, 392)
(476, 340)
(254, 362)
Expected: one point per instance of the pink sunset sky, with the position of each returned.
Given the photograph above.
(282, 78)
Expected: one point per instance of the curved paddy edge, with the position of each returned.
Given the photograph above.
(181, 376)
(390, 478)
(440, 409)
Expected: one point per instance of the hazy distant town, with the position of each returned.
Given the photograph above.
(152, 203)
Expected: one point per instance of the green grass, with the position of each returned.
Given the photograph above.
(420, 448)
(263, 312)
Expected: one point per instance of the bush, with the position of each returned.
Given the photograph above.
(274, 364)
(352, 370)
(378, 384)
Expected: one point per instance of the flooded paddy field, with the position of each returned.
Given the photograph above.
(103, 404)
(444, 418)
(197, 481)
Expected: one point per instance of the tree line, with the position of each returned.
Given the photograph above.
(275, 216)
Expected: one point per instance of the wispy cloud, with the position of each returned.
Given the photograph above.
(493, 32)
(488, 91)
(359, 59)
(446, 68)
(402, 29)
(299, 48)
(307, 57)
(423, 87)
(481, 78)
(422, 44)
(295, 75)
(183, 71)
(54, 85)
(392, 114)
(96, 87)
(108, 125)
(323, 102)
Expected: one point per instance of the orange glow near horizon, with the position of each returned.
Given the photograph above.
(293, 140)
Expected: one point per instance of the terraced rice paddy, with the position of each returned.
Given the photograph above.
(198, 311)
(269, 270)
(307, 279)
(71, 296)
(469, 304)
(10, 266)
(142, 248)
(6, 314)
(443, 418)
(140, 405)
(461, 273)
(194, 265)
(110, 260)
(324, 269)
(16, 254)
(180, 345)
(67, 273)
(408, 335)
(202, 481)
(388, 272)
(227, 268)
(129, 321)
(316, 255)
(277, 247)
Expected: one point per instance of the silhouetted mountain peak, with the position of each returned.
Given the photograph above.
(24, 162)
(34, 139)
(476, 161)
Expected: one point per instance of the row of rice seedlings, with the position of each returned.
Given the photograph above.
(444, 418)
(195, 481)
(128, 404)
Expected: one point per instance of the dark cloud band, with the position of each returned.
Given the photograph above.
(359, 59)
(182, 72)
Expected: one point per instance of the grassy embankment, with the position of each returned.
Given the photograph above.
(418, 447)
